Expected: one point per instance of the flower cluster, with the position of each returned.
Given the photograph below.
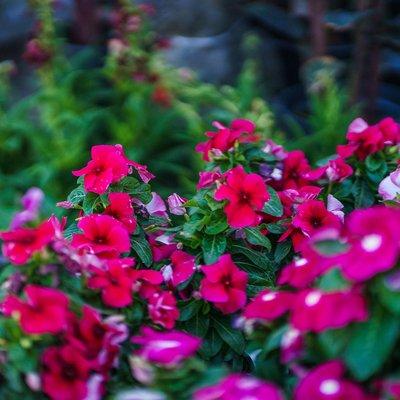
(275, 280)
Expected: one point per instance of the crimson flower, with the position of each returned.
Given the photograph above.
(295, 169)
(246, 195)
(21, 243)
(165, 348)
(316, 311)
(163, 310)
(224, 285)
(108, 165)
(44, 311)
(181, 269)
(326, 382)
(102, 235)
(120, 208)
(240, 130)
(65, 373)
(147, 282)
(115, 282)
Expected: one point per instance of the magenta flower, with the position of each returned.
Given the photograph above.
(317, 311)
(246, 195)
(20, 244)
(102, 235)
(108, 165)
(44, 311)
(115, 282)
(269, 305)
(240, 130)
(208, 178)
(374, 245)
(121, 209)
(31, 202)
(163, 310)
(295, 169)
(292, 345)
(335, 171)
(165, 348)
(224, 285)
(147, 282)
(239, 387)
(181, 269)
(326, 382)
(65, 373)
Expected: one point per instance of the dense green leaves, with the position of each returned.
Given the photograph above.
(273, 206)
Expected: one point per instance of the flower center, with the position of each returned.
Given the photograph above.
(100, 240)
(371, 242)
(268, 296)
(69, 372)
(312, 299)
(329, 386)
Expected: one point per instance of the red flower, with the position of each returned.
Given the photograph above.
(182, 267)
(269, 305)
(325, 382)
(224, 285)
(108, 165)
(295, 169)
(44, 311)
(120, 208)
(336, 171)
(317, 311)
(102, 235)
(147, 282)
(65, 373)
(246, 195)
(313, 215)
(115, 282)
(240, 130)
(163, 309)
(159, 249)
(19, 244)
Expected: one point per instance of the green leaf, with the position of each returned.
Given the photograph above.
(233, 337)
(371, 344)
(282, 250)
(217, 226)
(198, 325)
(188, 309)
(374, 161)
(254, 236)
(333, 342)
(273, 206)
(142, 248)
(388, 297)
(90, 202)
(212, 344)
(363, 195)
(259, 259)
(71, 230)
(213, 247)
(77, 195)
(330, 247)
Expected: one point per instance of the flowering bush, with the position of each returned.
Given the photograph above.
(276, 280)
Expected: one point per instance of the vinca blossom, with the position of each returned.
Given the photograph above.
(165, 348)
(224, 285)
(246, 195)
(121, 209)
(163, 310)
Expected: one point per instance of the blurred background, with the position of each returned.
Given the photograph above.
(152, 75)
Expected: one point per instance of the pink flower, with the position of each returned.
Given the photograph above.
(181, 269)
(121, 209)
(44, 311)
(157, 206)
(175, 204)
(389, 188)
(163, 310)
(275, 149)
(166, 348)
(269, 305)
(316, 311)
(374, 245)
(65, 373)
(21, 243)
(240, 130)
(147, 282)
(224, 285)
(292, 345)
(208, 178)
(239, 387)
(313, 215)
(102, 235)
(115, 282)
(364, 140)
(295, 169)
(336, 171)
(161, 249)
(31, 202)
(246, 195)
(108, 165)
(326, 382)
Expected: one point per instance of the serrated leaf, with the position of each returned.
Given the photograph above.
(274, 205)
(213, 247)
(254, 236)
(142, 248)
